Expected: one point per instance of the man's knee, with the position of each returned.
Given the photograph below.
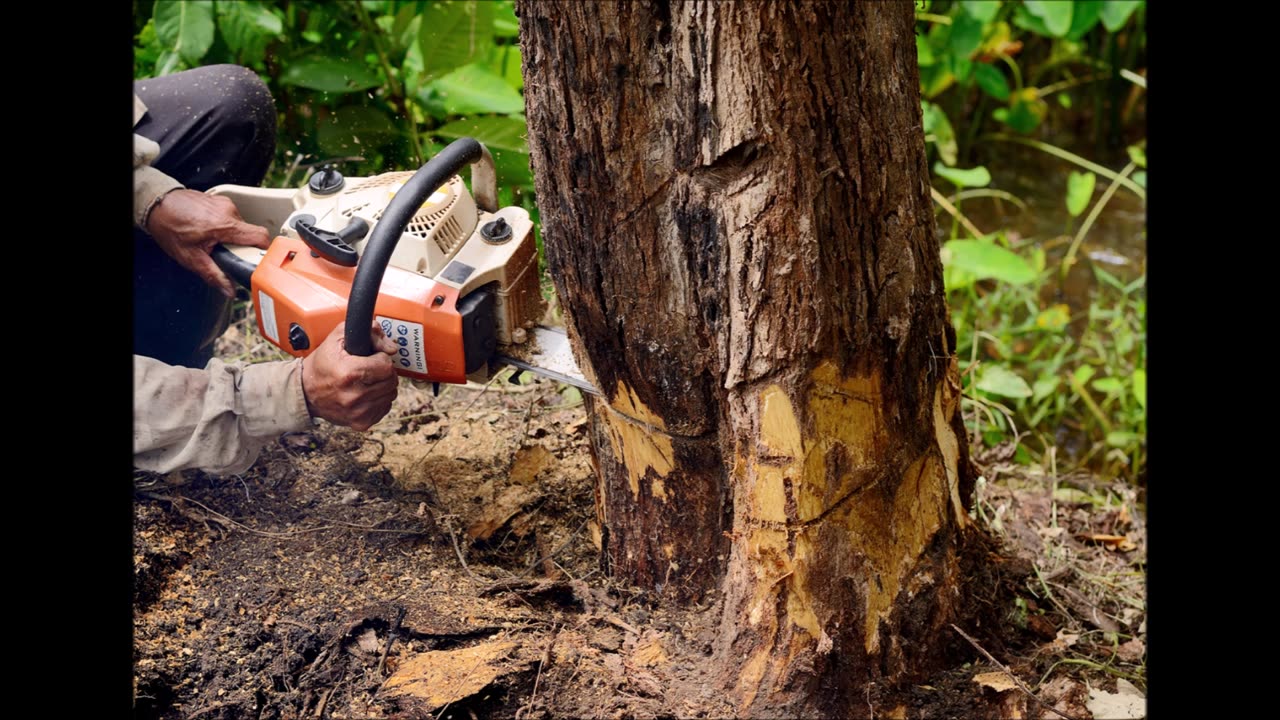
(244, 97)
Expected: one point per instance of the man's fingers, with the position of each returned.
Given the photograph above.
(245, 234)
(207, 269)
(381, 342)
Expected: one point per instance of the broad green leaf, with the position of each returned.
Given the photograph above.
(966, 35)
(1079, 191)
(1025, 112)
(167, 63)
(505, 22)
(1044, 386)
(1138, 155)
(962, 68)
(1025, 20)
(987, 260)
(1000, 380)
(1109, 385)
(185, 26)
(924, 54)
(504, 136)
(1115, 13)
(972, 177)
(1084, 16)
(983, 10)
(1056, 14)
(992, 81)
(475, 89)
(1053, 318)
(1140, 387)
(246, 28)
(935, 79)
(454, 34)
(1083, 373)
(354, 130)
(937, 124)
(504, 61)
(1120, 438)
(333, 75)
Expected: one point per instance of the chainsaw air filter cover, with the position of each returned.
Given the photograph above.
(434, 234)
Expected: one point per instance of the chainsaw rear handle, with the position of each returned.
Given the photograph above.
(395, 218)
(236, 267)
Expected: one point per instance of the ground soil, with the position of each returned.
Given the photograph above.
(458, 532)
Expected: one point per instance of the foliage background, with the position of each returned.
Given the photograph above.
(1034, 115)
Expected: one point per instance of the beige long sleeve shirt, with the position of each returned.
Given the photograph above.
(149, 184)
(218, 418)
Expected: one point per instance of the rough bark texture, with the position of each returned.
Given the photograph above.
(736, 214)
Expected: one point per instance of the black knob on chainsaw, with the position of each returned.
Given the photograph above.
(496, 232)
(332, 246)
(326, 181)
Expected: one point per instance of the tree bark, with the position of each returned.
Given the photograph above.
(736, 213)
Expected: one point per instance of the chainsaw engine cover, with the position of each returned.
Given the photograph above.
(460, 286)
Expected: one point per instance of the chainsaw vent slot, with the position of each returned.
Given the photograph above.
(377, 181)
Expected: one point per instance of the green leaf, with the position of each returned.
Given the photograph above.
(355, 130)
(1083, 373)
(972, 177)
(924, 54)
(505, 22)
(186, 27)
(966, 35)
(333, 75)
(1140, 177)
(992, 81)
(984, 10)
(1044, 386)
(1000, 380)
(1083, 17)
(454, 34)
(1140, 387)
(1079, 191)
(1120, 438)
(984, 259)
(1053, 318)
(1025, 20)
(1109, 386)
(1056, 14)
(475, 89)
(1025, 112)
(246, 28)
(1115, 13)
(937, 124)
(1138, 155)
(1021, 456)
(1064, 100)
(504, 136)
(167, 63)
(504, 61)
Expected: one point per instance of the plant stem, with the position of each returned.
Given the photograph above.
(398, 95)
(1070, 257)
(1073, 158)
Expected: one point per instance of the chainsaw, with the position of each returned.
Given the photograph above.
(451, 278)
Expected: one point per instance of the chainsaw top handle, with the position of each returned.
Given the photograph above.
(395, 218)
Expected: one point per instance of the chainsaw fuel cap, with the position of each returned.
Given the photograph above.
(496, 232)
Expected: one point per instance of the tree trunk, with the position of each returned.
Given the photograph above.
(736, 213)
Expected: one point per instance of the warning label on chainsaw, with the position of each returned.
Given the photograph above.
(410, 350)
(267, 307)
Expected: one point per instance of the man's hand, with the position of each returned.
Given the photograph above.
(346, 389)
(187, 224)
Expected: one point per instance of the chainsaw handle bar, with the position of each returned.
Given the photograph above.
(395, 218)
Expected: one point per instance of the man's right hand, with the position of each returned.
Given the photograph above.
(346, 389)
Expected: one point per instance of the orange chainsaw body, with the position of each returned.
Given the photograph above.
(301, 298)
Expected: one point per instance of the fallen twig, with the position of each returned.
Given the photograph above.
(391, 638)
(1014, 678)
(546, 657)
